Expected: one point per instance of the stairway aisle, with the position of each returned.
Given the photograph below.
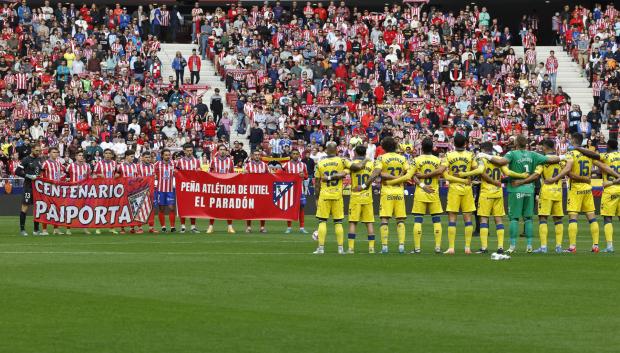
(208, 76)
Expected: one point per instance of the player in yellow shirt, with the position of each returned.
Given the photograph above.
(610, 200)
(360, 203)
(425, 171)
(550, 196)
(329, 174)
(391, 165)
(491, 199)
(461, 165)
(580, 197)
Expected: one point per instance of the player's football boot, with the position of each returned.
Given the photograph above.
(384, 249)
(231, 230)
(210, 229)
(195, 230)
(350, 251)
(263, 230)
(163, 229)
(122, 231)
(173, 229)
(449, 252)
(500, 250)
(288, 230)
(340, 250)
(371, 250)
(23, 233)
(248, 230)
(401, 248)
(44, 232)
(467, 251)
(140, 231)
(68, 232)
(303, 231)
(58, 232)
(558, 249)
(540, 250)
(529, 249)
(416, 251)
(152, 230)
(595, 249)
(511, 250)
(319, 251)
(113, 231)
(437, 250)
(482, 251)
(609, 249)
(98, 231)
(86, 231)
(571, 250)
(182, 229)
(132, 231)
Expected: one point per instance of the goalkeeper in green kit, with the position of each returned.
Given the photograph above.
(521, 198)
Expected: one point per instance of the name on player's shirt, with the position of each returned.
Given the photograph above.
(392, 159)
(331, 164)
(459, 159)
(434, 164)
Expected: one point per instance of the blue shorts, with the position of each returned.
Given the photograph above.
(166, 198)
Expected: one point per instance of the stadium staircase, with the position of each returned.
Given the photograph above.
(208, 76)
(569, 78)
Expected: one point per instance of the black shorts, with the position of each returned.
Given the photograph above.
(27, 197)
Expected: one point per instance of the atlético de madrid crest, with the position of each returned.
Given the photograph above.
(283, 195)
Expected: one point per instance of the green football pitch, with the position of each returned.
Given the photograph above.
(268, 293)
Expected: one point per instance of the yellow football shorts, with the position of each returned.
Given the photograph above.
(327, 208)
(548, 207)
(421, 207)
(610, 204)
(361, 213)
(580, 201)
(392, 206)
(463, 202)
(488, 207)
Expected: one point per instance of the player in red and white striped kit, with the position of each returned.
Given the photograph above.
(127, 169)
(145, 169)
(164, 176)
(222, 163)
(106, 169)
(296, 166)
(77, 171)
(255, 165)
(188, 162)
(52, 169)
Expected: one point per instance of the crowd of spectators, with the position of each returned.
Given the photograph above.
(297, 76)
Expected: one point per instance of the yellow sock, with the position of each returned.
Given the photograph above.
(437, 230)
(339, 233)
(351, 241)
(499, 230)
(484, 235)
(385, 233)
(469, 231)
(559, 233)
(543, 230)
(400, 230)
(417, 232)
(322, 233)
(609, 232)
(594, 231)
(451, 234)
(572, 233)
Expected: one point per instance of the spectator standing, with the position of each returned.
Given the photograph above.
(194, 67)
(178, 65)
(551, 67)
(216, 105)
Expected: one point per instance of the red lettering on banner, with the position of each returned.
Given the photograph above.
(94, 203)
(238, 196)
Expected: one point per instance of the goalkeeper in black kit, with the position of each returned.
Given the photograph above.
(29, 169)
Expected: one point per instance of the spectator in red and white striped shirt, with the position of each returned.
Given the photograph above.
(52, 169)
(297, 166)
(188, 162)
(552, 69)
(255, 165)
(222, 163)
(146, 169)
(164, 178)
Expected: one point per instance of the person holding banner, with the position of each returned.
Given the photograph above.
(52, 169)
(146, 169)
(77, 171)
(127, 169)
(222, 163)
(296, 166)
(164, 178)
(255, 165)
(188, 162)
(106, 169)
(29, 169)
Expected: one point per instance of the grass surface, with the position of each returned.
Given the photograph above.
(267, 293)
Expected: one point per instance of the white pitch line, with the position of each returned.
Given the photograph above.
(143, 253)
(121, 242)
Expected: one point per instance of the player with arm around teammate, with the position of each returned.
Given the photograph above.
(78, 171)
(360, 203)
(256, 166)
